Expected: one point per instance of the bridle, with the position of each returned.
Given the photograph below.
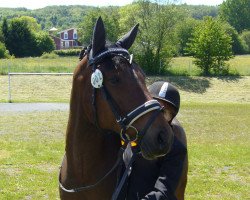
(125, 122)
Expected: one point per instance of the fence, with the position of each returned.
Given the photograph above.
(32, 74)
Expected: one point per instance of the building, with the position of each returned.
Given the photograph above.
(65, 39)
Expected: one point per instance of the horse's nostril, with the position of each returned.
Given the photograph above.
(161, 139)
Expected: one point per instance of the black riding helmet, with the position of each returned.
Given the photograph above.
(167, 92)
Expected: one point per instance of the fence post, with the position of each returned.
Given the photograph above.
(9, 84)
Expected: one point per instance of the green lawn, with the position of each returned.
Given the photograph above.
(192, 88)
(179, 66)
(32, 146)
(214, 112)
(184, 66)
(61, 64)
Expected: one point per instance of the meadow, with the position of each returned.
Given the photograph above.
(214, 113)
(181, 66)
(192, 88)
(32, 146)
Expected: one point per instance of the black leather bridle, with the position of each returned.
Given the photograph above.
(124, 122)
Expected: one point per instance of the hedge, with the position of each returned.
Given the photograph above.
(68, 52)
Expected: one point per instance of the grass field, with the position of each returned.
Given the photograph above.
(192, 88)
(32, 146)
(184, 66)
(179, 66)
(214, 112)
(61, 64)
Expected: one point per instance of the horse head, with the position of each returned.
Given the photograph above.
(114, 96)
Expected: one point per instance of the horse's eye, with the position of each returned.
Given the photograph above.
(114, 80)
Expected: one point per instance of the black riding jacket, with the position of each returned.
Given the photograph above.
(155, 179)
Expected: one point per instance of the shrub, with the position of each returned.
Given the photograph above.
(4, 53)
(44, 43)
(49, 56)
(68, 52)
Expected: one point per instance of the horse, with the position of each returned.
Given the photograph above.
(109, 103)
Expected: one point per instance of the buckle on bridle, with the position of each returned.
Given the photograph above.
(126, 138)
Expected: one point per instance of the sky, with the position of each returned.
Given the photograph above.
(34, 4)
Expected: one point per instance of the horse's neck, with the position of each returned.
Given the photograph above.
(88, 150)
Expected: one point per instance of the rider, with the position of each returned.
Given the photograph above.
(161, 178)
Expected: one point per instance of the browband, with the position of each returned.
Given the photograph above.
(110, 51)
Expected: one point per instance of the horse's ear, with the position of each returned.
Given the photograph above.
(99, 37)
(127, 40)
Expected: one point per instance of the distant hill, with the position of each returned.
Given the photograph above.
(63, 17)
(199, 11)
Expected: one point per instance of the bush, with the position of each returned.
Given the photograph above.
(211, 47)
(49, 56)
(68, 52)
(44, 43)
(4, 53)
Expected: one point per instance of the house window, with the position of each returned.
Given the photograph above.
(61, 44)
(75, 36)
(65, 35)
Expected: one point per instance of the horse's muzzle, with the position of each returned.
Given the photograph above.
(157, 145)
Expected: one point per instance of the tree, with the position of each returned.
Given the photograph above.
(239, 46)
(44, 43)
(155, 42)
(20, 41)
(4, 30)
(245, 36)
(236, 13)
(184, 33)
(211, 46)
(31, 23)
(23, 37)
(110, 17)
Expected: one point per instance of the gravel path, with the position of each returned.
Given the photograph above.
(31, 107)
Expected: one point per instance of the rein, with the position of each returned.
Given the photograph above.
(124, 122)
(88, 187)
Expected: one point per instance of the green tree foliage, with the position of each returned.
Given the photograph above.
(184, 31)
(236, 13)
(19, 39)
(44, 43)
(23, 38)
(3, 51)
(110, 17)
(199, 11)
(154, 45)
(245, 36)
(211, 47)
(62, 17)
(1, 36)
(31, 23)
(4, 31)
(239, 46)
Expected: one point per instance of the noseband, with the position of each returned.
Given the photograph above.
(125, 122)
